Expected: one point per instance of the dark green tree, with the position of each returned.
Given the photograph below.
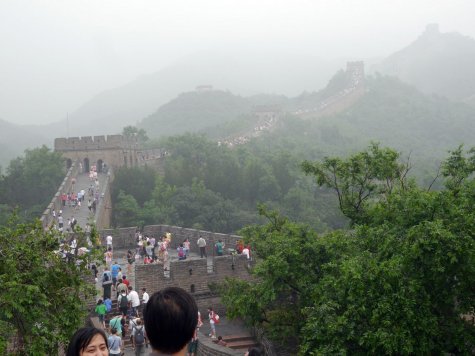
(43, 296)
(399, 282)
(31, 181)
(136, 133)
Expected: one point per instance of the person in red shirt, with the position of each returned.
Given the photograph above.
(125, 281)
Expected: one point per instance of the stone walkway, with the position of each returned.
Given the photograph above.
(82, 214)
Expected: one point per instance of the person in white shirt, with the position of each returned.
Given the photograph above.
(134, 300)
(202, 245)
(145, 296)
(109, 241)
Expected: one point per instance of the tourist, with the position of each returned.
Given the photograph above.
(106, 282)
(115, 342)
(153, 244)
(170, 319)
(108, 304)
(60, 222)
(130, 257)
(116, 323)
(148, 250)
(202, 245)
(108, 257)
(121, 287)
(219, 246)
(109, 241)
(115, 271)
(193, 344)
(186, 246)
(123, 303)
(212, 322)
(101, 311)
(139, 337)
(247, 251)
(145, 296)
(134, 300)
(88, 341)
(221, 341)
(181, 252)
(125, 280)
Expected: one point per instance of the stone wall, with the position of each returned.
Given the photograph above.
(193, 276)
(104, 209)
(113, 150)
(123, 238)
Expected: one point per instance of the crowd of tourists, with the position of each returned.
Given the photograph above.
(170, 325)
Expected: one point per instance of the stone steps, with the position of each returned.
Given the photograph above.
(240, 342)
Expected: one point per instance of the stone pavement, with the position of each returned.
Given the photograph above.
(82, 214)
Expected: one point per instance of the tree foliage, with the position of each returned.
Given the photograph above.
(31, 181)
(216, 188)
(42, 299)
(399, 282)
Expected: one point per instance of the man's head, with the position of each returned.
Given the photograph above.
(129, 287)
(170, 319)
(144, 290)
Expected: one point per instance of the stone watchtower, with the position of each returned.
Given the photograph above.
(111, 150)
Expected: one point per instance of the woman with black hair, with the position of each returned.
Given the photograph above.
(87, 342)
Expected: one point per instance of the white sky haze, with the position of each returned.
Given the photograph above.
(56, 55)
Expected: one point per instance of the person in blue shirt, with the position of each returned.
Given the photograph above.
(115, 271)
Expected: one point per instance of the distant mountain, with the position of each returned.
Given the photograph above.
(15, 139)
(242, 73)
(440, 63)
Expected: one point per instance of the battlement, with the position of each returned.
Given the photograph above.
(93, 143)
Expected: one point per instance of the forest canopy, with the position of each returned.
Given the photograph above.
(400, 281)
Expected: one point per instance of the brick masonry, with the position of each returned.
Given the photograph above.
(193, 275)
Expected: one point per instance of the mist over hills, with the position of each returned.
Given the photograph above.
(14, 139)
(241, 73)
(440, 63)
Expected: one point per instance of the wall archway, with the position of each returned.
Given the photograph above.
(86, 165)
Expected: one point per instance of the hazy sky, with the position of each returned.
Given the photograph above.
(56, 55)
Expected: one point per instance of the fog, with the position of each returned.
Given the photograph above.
(56, 55)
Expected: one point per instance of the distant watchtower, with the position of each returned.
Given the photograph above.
(355, 72)
(111, 150)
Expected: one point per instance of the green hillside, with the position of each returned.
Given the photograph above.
(392, 113)
(195, 111)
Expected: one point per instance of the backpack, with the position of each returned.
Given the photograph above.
(181, 253)
(124, 303)
(106, 278)
(108, 305)
(139, 336)
(216, 318)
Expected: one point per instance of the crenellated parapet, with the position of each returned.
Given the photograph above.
(93, 143)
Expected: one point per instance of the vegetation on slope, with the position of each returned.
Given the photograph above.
(399, 282)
